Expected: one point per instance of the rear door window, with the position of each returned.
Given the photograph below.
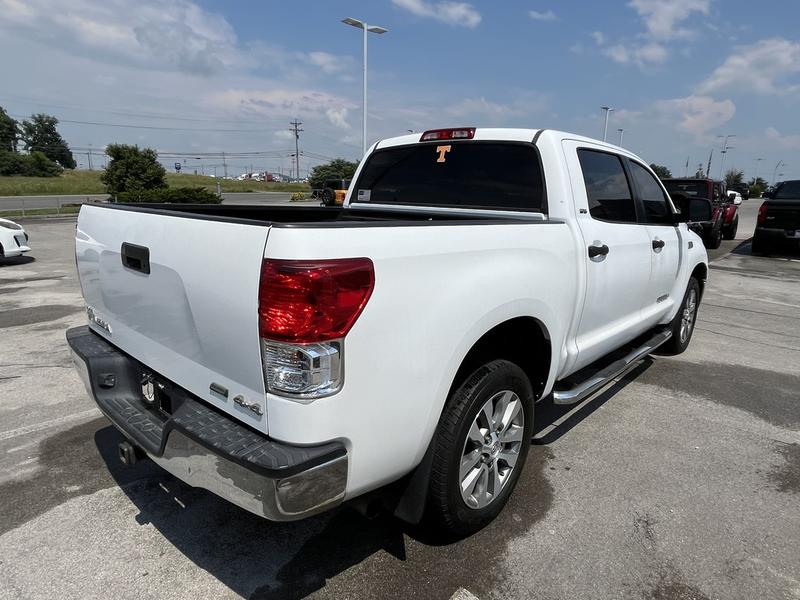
(789, 189)
(607, 188)
(654, 201)
(469, 174)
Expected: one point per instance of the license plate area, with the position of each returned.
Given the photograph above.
(160, 395)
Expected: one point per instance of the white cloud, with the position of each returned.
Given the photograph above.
(452, 13)
(327, 62)
(269, 102)
(662, 17)
(788, 142)
(338, 117)
(548, 15)
(662, 20)
(697, 115)
(760, 68)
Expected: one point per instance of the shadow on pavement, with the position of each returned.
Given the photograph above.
(340, 553)
(16, 260)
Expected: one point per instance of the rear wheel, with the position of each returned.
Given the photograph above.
(730, 232)
(759, 246)
(480, 447)
(714, 239)
(682, 325)
(328, 197)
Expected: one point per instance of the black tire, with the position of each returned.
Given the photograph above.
(730, 232)
(447, 509)
(714, 239)
(759, 246)
(677, 344)
(328, 197)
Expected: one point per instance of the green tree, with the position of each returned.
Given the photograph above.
(757, 186)
(9, 132)
(660, 170)
(338, 168)
(132, 169)
(734, 177)
(34, 164)
(40, 135)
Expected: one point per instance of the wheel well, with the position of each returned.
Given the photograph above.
(701, 273)
(523, 341)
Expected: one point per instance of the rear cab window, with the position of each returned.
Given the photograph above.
(455, 174)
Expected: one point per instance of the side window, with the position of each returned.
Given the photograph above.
(656, 208)
(717, 192)
(607, 187)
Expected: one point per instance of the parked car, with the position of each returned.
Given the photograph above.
(726, 219)
(333, 191)
(778, 224)
(743, 189)
(402, 339)
(735, 197)
(13, 239)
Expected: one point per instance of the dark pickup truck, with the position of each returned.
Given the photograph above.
(778, 226)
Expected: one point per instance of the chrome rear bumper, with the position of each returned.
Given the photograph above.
(206, 448)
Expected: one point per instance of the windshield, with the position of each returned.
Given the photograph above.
(698, 189)
(489, 175)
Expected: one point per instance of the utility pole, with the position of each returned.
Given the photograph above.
(224, 166)
(708, 168)
(89, 157)
(621, 133)
(686, 168)
(725, 148)
(296, 130)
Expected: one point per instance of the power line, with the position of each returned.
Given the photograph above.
(131, 126)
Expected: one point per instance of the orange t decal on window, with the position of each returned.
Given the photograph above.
(442, 150)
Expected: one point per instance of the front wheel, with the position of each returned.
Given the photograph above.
(682, 325)
(714, 239)
(480, 447)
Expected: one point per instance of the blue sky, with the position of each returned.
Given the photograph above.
(678, 72)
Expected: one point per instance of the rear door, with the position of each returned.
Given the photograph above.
(655, 213)
(617, 251)
(180, 295)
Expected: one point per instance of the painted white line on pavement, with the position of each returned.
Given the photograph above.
(81, 416)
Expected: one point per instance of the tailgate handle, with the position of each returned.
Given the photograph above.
(136, 258)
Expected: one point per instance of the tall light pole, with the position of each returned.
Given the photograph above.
(775, 172)
(607, 109)
(367, 29)
(621, 133)
(725, 148)
(758, 161)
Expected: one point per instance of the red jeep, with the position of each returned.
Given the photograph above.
(725, 211)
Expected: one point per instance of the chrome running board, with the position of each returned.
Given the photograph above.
(619, 367)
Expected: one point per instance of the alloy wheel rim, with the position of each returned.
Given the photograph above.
(491, 449)
(687, 320)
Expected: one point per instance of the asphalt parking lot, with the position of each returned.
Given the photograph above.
(681, 481)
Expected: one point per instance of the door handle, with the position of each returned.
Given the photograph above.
(595, 251)
(658, 244)
(136, 258)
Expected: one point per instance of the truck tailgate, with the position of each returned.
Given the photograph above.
(180, 295)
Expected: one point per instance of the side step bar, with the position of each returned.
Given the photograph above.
(586, 388)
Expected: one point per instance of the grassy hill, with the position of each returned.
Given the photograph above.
(88, 182)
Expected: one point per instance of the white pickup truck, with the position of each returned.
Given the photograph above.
(292, 358)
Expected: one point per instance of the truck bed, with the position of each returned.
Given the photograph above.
(322, 216)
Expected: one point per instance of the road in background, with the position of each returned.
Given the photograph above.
(31, 202)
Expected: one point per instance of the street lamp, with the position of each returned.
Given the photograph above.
(621, 132)
(775, 172)
(367, 29)
(608, 109)
(758, 161)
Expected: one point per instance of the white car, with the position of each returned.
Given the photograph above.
(13, 239)
(735, 197)
(402, 338)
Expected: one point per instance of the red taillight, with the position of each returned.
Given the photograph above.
(312, 300)
(461, 133)
(762, 213)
